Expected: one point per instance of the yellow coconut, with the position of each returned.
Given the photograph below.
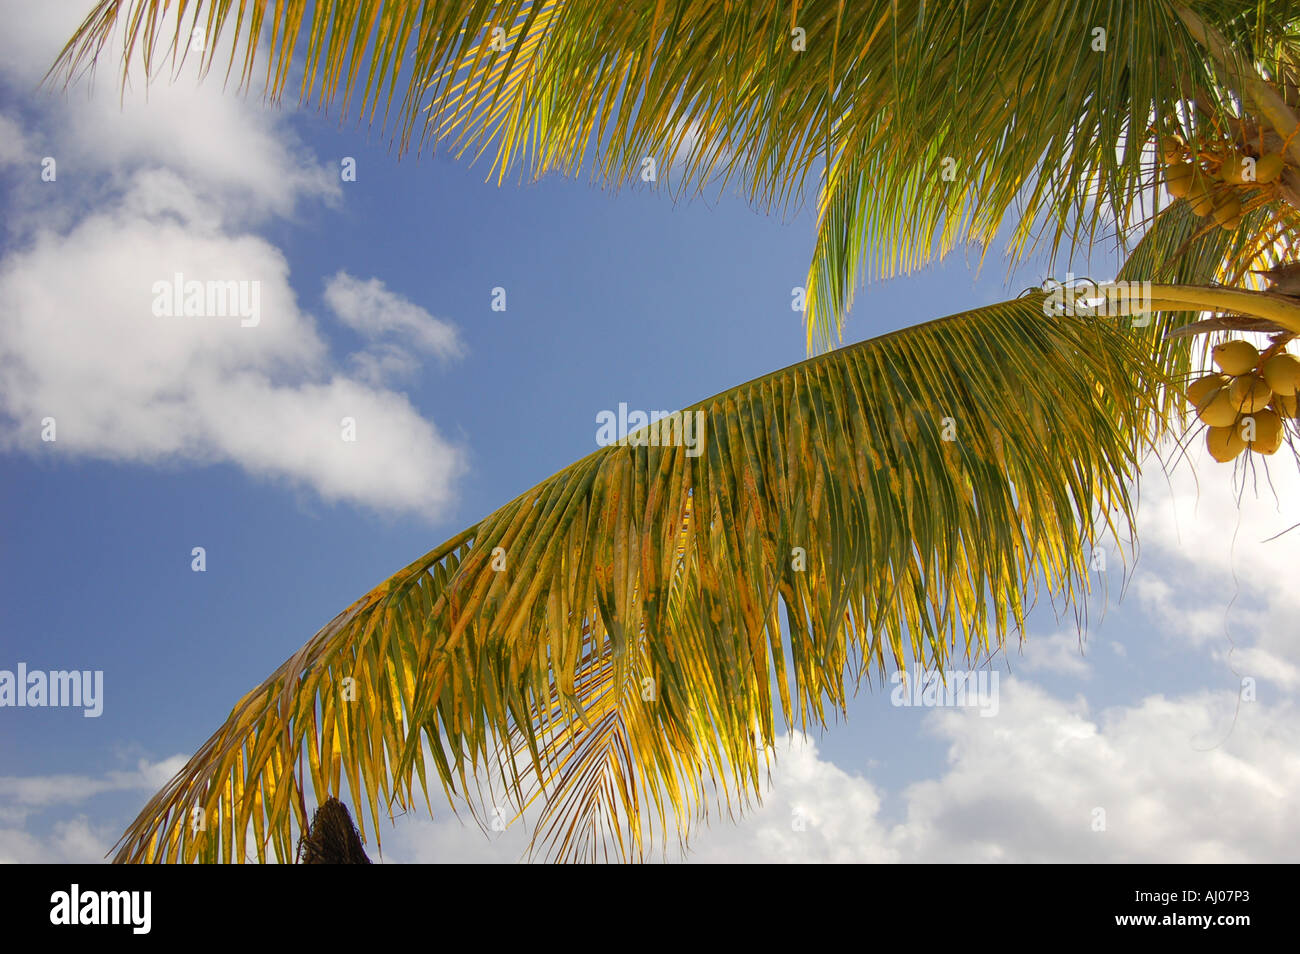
(1224, 443)
(1249, 393)
(1171, 153)
(1268, 168)
(1227, 211)
(1219, 411)
(1262, 431)
(1236, 357)
(1232, 169)
(1282, 372)
(1288, 405)
(1202, 390)
(1179, 179)
(1200, 198)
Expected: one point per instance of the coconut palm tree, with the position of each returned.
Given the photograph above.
(610, 644)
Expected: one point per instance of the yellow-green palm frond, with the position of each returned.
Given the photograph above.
(612, 642)
(1034, 124)
(925, 125)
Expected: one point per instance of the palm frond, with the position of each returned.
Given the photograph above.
(611, 642)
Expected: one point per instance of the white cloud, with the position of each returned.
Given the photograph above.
(233, 153)
(449, 840)
(1211, 575)
(1062, 653)
(37, 791)
(124, 384)
(33, 35)
(73, 841)
(13, 142)
(1183, 780)
(838, 814)
(1174, 777)
(169, 181)
(230, 148)
(374, 311)
(397, 462)
(814, 812)
(383, 363)
(1179, 780)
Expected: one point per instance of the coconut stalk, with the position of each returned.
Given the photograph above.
(1281, 310)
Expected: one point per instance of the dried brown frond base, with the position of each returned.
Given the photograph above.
(332, 838)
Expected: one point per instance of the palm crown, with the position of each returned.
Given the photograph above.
(610, 642)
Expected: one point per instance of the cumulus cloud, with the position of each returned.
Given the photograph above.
(1219, 559)
(1171, 776)
(122, 382)
(1062, 653)
(75, 839)
(164, 187)
(813, 812)
(1164, 780)
(1191, 779)
(450, 840)
(13, 142)
(226, 146)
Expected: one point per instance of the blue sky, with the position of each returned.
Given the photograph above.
(211, 437)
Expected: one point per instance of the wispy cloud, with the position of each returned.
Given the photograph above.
(371, 309)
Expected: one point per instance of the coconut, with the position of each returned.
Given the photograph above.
(1249, 393)
(1219, 411)
(1282, 372)
(1269, 167)
(1268, 431)
(1231, 170)
(1224, 443)
(1236, 357)
(1227, 211)
(1202, 390)
(1199, 198)
(1287, 405)
(1179, 179)
(1171, 153)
